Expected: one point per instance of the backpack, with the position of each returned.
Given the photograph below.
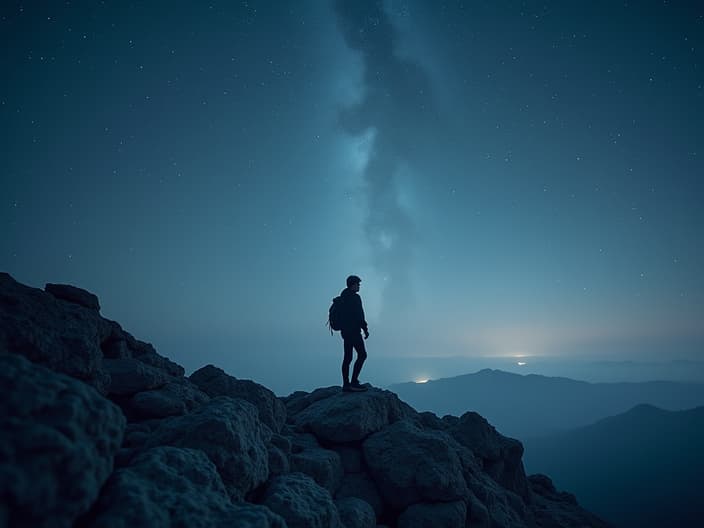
(335, 314)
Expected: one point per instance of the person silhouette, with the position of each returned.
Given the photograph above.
(353, 323)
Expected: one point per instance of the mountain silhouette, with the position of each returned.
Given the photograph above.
(642, 468)
(525, 406)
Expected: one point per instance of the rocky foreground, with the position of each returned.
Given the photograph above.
(98, 429)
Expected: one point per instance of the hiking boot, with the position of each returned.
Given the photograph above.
(346, 387)
(355, 386)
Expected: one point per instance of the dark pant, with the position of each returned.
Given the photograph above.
(353, 340)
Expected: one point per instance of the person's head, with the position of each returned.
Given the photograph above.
(353, 282)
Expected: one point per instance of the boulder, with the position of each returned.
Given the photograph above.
(69, 293)
(437, 515)
(411, 465)
(301, 502)
(299, 400)
(504, 508)
(350, 417)
(323, 465)
(170, 486)
(215, 382)
(146, 353)
(361, 486)
(174, 398)
(129, 376)
(58, 440)
(355, 513)
(62, 336)
(229, 432)
(501, 456)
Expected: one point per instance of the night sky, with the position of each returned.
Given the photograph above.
(508, 178)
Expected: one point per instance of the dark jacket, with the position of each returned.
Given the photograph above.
(353, 320)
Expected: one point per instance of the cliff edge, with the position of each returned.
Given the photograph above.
(98, 429)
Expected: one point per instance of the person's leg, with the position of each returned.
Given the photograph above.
(347, 359)
(361, 357)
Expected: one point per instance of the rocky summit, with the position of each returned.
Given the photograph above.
(98, 429)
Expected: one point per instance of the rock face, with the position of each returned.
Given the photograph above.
(62, 336)
(229, 433)
(58, 440)
(170, 486)
(214, 382)
(299, 500)
(75, 295)
(98, 429)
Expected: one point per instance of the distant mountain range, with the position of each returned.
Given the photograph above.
(526, 406)
(643, 468)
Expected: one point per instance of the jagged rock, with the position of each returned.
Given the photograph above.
(175, 398)
(411, 465)
(229, 432)
(64, 337)
(299, 400)
(437, 515)
(129, 376)
(501, 456)
(113, 342)
(169, 486)
(146, 353)
(359, 485)
(215, 382)
(323, 465)
(58, 440)
(355, 513)
(301, 502)
(74, 295)
(555, 509)
(350, 417)
(478, 515)
(504, 508)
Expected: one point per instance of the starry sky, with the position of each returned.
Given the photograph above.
(508, 178)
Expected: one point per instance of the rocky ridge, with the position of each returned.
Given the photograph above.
(98, 429)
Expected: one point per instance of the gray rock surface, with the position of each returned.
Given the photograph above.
(57, 443)
(62, 336)
(74, 295)
(146, 353)
(129, 376)
(323, 465)
(355, 513)
(168, 486)
(230, 433)
(437, 515)
(350, 417)
(174, 398)
(215, 382)
(301, 502)
(501, 456)
(361, 486)
(411, 465)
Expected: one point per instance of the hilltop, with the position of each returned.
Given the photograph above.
(99, 429)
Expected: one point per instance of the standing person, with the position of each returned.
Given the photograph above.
(352, 324)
